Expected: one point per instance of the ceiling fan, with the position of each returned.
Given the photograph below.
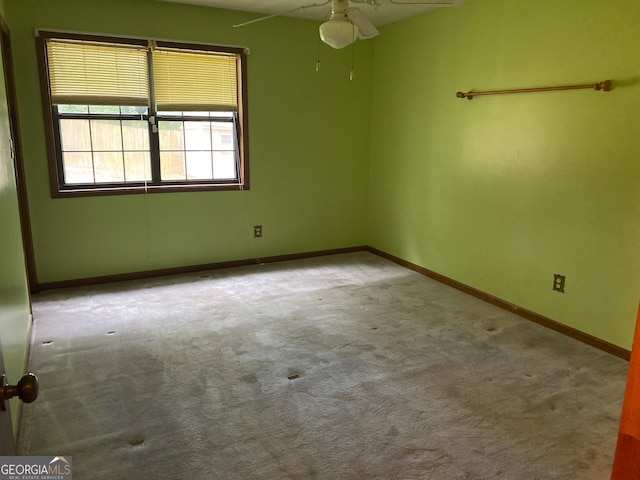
(347, 23)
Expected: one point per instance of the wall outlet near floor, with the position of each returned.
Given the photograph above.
(558, 283)
(257, 231)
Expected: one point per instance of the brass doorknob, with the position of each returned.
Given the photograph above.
(26, 390)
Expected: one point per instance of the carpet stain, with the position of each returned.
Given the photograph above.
(249, 378)
(452, 392)
(137, 442)
(294, 374)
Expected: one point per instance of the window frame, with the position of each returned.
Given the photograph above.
(57, 117)
(53, 141)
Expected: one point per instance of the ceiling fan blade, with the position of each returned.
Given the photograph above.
(303, 7)
(366, 29)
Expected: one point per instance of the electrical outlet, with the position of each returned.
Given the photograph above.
(257, 231)
(558, 283)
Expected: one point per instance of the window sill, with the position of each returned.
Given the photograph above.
(141, 189)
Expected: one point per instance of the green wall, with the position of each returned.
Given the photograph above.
(308, 133)
(502, 192)
(15, 311)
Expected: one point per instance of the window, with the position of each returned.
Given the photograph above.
(128, 115)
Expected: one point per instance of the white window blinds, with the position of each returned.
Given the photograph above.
(89, 74)
(195, 81)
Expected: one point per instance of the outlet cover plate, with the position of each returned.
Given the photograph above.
(558, 282)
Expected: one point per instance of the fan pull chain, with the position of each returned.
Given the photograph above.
(318, 54)
(353, 55)
(352, 73)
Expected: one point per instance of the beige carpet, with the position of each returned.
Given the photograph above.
(339, 367)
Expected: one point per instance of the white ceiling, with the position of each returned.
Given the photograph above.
(381, 14)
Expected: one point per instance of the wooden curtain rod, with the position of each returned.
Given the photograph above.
(605, 86)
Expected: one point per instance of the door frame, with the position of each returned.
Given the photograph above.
(18, 163)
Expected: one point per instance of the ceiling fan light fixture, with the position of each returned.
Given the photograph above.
(338, 32)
